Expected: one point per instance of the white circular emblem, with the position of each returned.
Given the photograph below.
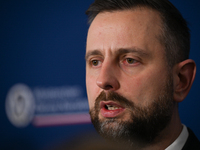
(20, 105)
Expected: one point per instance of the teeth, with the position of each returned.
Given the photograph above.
(111, 107)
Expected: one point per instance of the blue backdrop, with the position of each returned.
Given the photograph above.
(42, 44)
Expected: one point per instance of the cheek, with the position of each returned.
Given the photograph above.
(91, 90)
(143, 88)
(134, 90)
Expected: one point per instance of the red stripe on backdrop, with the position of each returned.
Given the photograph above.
(65, 119)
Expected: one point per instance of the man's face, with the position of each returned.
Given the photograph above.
(127, 77)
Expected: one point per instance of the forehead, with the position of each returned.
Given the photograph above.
(139, 27)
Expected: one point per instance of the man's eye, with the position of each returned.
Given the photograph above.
(95, 62)
(130, 60)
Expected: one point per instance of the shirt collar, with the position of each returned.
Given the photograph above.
(180, 141)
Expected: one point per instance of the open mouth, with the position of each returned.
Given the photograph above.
(110, 109)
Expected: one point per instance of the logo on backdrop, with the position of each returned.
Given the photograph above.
(20, 105)
(46, 106)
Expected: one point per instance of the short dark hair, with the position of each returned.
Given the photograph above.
(175, 34)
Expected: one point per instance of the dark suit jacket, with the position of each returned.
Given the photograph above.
(192, 142)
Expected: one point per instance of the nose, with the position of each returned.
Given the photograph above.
(108, 78)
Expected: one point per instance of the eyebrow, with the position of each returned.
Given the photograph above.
(94, 52)
(138, 51)
(120, 51)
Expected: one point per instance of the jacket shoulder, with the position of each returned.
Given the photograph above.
(192, 142)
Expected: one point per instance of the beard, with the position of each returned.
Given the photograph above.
(145, 122)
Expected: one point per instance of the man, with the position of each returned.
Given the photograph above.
(137, 71)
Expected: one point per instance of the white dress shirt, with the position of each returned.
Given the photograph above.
(180, 141)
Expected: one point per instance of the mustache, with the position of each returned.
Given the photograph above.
(103, 96)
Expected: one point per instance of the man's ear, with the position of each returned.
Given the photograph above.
(184, 74)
